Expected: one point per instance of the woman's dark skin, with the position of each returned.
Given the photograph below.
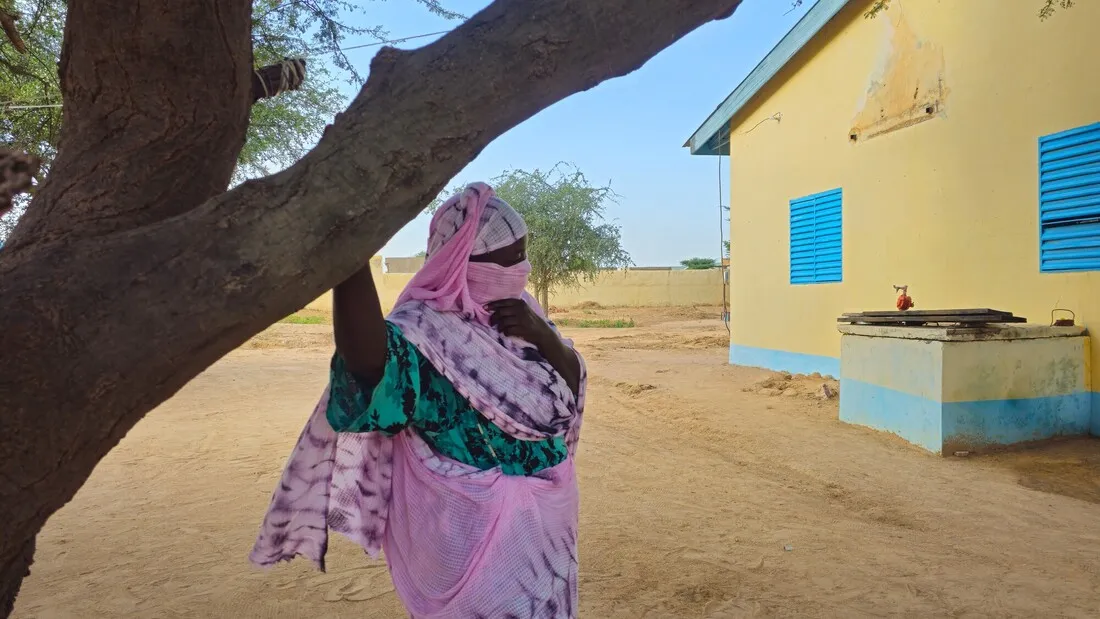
(360, 328)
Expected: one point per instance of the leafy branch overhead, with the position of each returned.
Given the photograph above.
(283, 128)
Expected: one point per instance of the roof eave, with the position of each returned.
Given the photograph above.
(711, 138)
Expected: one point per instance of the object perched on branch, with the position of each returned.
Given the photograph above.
(7, 20)
(275, 79)
(17, 170)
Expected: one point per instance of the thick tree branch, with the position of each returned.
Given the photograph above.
(12, 573)
(7, 22)
(144, 137)
(153, 90)
(100, 328)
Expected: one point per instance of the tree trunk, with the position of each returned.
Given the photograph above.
(124, 284)
(544, 298)
(156, 96)
(13, 570)
(17, 171)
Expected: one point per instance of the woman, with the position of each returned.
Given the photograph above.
(447, 433)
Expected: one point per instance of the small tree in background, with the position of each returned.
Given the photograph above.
(699, 264)
(568, 239)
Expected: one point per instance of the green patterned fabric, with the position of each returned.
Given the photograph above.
(412, 393)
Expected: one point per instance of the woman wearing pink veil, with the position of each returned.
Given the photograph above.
(447, 434)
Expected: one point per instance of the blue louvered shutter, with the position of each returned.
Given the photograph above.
(1069, 200)
(816, 235)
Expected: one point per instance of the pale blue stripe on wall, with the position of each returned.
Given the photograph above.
(930, 423)
(916, 419)
(1095, 413)
(784, 361)
(1005, 422)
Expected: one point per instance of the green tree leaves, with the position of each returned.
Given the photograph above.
(569, 239)
(699, 264)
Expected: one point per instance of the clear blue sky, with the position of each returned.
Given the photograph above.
(627, 131)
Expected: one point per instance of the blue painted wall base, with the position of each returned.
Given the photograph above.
(913, 418)
(945, 427)
(783, 361)
(1095, 413)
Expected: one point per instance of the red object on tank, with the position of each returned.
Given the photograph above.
(904, 302)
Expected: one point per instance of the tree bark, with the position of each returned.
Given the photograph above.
(12, 572)
(156, 96)
(120, 291)
(7, 23)
(17, 173)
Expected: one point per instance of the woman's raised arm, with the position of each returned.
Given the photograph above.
(358, 325)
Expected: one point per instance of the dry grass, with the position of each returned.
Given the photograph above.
(308, 317)
(596, 323)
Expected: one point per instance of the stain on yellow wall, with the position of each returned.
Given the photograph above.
(908, 87)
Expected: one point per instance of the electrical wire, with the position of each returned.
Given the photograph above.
(29, 107)
(374, 44)
(722, 249)
(777, 117)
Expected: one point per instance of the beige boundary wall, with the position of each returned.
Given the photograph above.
(645, 289)
(612, 289)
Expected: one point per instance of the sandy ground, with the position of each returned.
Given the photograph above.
(708, 491)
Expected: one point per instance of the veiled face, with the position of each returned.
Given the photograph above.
(509, 255)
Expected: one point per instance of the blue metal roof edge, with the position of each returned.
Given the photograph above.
(710, 137)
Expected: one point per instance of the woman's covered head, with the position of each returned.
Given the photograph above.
(499, 226)
(469, 265)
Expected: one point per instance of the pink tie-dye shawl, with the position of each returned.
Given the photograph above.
(460, 542)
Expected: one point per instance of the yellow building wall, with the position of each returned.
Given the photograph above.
(611, 289)
(948, 206)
